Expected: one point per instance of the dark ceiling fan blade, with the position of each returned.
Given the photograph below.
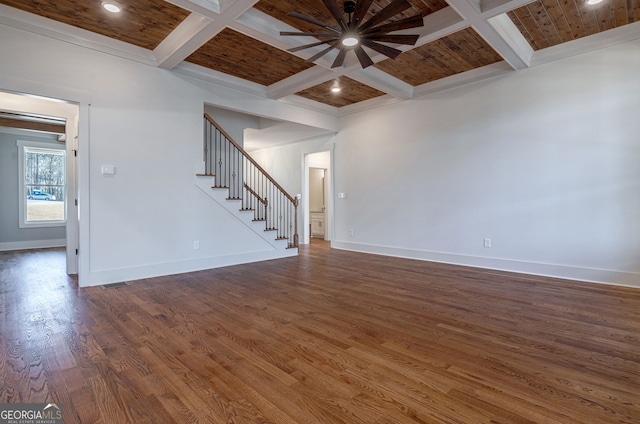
(323, 52)
(313, 34)
(306, 46)
(362, 6)
(411, 22)
(336, 11)
(340, 58)
(381, 48)
(312, 20)
(389, 11)
(392, 38)
(363, 57)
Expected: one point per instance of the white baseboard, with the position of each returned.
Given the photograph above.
(32, 244)
(591, 275)
(97, 278)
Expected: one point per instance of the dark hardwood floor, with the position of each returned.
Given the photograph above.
(326, 337)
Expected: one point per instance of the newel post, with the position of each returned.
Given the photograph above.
(295, 225)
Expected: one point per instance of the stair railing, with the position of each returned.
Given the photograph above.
(247, 181)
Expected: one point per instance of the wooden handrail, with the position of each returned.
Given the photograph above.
(250, 159)
(260, 199)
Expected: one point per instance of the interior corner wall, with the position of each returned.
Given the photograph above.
(285, 163)
(232, 122)
(146, 123)
(544, 162)
(11, 235)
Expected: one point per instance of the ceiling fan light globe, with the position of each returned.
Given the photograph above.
(350, 41)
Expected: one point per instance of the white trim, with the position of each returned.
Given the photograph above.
(612, 37)
(22, 213)
(97, 278)
(568, 272)
(46, 27)
(32, 244)
(39, 145)
(330, 218)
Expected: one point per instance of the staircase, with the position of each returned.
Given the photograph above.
(236, 181)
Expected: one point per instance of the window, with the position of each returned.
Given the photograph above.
(41, 169)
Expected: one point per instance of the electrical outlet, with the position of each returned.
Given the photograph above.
(351, 232)
(487, 242)
(196, 245)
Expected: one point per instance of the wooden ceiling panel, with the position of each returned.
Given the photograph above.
(236, 54)
(459, 52)
(315, 8)
(144, 23)
(546, 23)
(351, 92)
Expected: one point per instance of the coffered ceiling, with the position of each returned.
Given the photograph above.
(237, 43)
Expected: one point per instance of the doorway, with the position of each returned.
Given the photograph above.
(317, 202)
(317, 195)
(37, 108)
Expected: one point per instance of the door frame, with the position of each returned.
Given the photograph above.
(22, 100)
(329, 208)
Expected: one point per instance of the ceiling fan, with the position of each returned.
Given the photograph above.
(353, 34)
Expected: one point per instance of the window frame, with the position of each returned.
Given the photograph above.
(23, 145)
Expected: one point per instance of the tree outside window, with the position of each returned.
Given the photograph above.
(43, 184)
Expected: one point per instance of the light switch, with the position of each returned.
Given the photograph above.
(108, 170)
(342, 195)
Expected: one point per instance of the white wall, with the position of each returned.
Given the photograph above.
(233, 123)
(147, 122)
(545, 162)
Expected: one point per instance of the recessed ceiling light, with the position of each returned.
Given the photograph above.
(594, 1)
(112, 7)
(336, 89)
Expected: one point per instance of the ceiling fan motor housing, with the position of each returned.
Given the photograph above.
(349, 7)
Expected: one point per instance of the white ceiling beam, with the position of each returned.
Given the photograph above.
(463, 78)
(201, 73)
(374, 77)
(470, 11)
(195, 31)
(492, 8)
(301, 81)
(210, 9)
(189, 36)
(439, 24)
